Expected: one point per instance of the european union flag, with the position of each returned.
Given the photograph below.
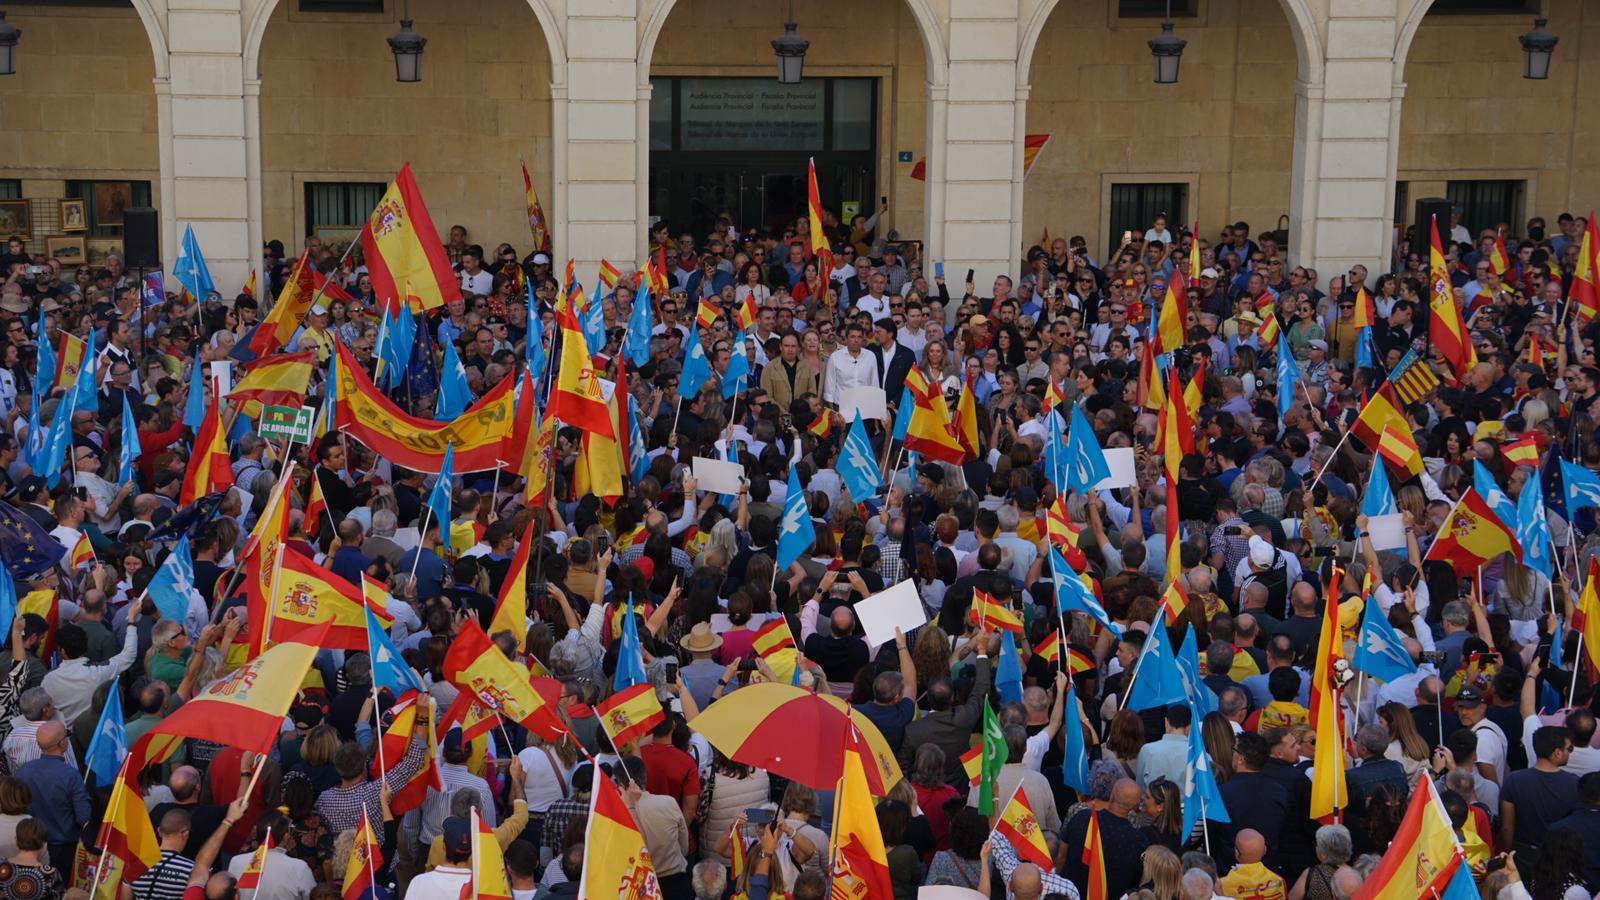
(422, 372)
(110, 743)
(27, 549)
(1555, 489)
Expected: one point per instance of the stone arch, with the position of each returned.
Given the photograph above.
(928, 26)
(1302, 24)
(548, 24)
(157, 35)
(1408, 32)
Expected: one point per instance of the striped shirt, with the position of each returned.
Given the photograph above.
(166, 880)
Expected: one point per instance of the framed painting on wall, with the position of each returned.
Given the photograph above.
(15, 219)
(74, 215)
(69, 250)
(110, 199)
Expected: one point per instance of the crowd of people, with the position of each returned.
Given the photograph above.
(1270, 521)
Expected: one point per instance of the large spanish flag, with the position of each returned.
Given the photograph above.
(400, 244)
(630, 714)
(511, 608)
(860, 862)
(1586, 275)
(616, 862)
(1446, 331)
(488, 863)
(245, 709)
(127, 837)
(481, 434)
(536, 220)
(577, 399)
(287, 312)
(819, 237)
(277, 380)
(1419, 861)
(209, 469)
(1094, 857)
(1382, 411)
(1472, 535)
(966, 421)
(397, 736)
(1020, 826)
(474, 664)
(306, 594)
(930, 431)
(1174, 306)
(1328, 791)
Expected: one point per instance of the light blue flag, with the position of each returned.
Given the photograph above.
(454, 395)
(593, 322)
(1364, 347)
(1555, 643)
(1075, 765)
(1200, 794)
(533, 346)
(403, 338)
(1379, 497)
(59, 440)
(902, 414)
(389, 669)
(439, 498)
(189, 269)
(640, 323)
(1072, 594)
(1379, 652)
(38, 438)
(45, 377)
(110, 743)
(8, 600)
(798, 532)
(858, 466)
(630, 655)
(638, 453)
(87, 386)
(737, 377)
(130, 443)
(1200, 696)
(1008, 670)
(1583, 486)
(1498, 502)
(1288, 376)
(1156, 681)
(1460, 886)
(170, 587)
(1533, 530)
(696, 368)
(1057, 467)
(1086, 462)
(194, 406)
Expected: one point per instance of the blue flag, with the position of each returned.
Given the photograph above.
(189, 269)
(1582, 487)
(8, 599)
(630, 655)
(170, 587)
(1008, 670)
(638, 453)
(454, 395)
(1364, 347)
(38, 438)
(592, 319)
(1075, 765)
(439, 498)
(1555, 489)
(858, 465)
(45, 377)
(902, 414)
(194, 406)
(404, 339)
(1489, 490)
(1086, 462)
(1056, 465)
(110, 743)
(389, 669)
(1460, 886)
(1379, 497)
(1200, 696)
(640, 323)
(696, 368)
(87, 386)
(1200, 794)
(533, 345)
(1533, 531)
(130, 443)
(798, 533)
(737, 377)
(1156, 681)
(1288, 376)
(1379, 652)
(1555, 643)
(27, 548)
(1073, 595)
(59, 440)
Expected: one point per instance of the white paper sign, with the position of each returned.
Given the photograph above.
(718, 476)
(720, 623)
(222, 374)
(894, 607)
(1124, 470)
(948, 892)
(868, 400)
(1387, 532)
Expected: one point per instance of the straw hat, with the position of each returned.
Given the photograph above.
(700, 639)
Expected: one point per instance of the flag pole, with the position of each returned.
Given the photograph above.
(1331, 457)
(383, 768)
(427, 511)
(1139, 661)
(105, 851)
(1577, 664)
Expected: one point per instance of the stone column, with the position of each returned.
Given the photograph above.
(602, 198)
(1346, 143)
(982, 154)
(204, 157)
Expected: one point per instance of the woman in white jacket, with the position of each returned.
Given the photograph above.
(733, 788)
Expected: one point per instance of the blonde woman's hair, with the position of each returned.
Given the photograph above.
(1162, 870)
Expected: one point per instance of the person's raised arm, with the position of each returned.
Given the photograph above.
(568, 614)
(1528, 705)
(603, 565)
(658, 616)
(908, 666)
(213, 845)
(685, 697)
(1063, 684)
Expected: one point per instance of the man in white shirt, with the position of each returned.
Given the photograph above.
(874, 303)
(72, 683)
(1473, 712)
(454, 776)
(285, 877)
(474, 278)
(850, 366)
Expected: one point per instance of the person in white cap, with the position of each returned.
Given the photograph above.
(317, 331)
(1271, 567)
(1315, 366)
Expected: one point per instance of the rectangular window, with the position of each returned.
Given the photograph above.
(1470, 7)
(852, 114)
(340, 204)
(10, 188)
(1485, 204)
(1134, 208)
(1402, 192)
(107, 200)
(341, 6)
(1156, 9)
(661, 112)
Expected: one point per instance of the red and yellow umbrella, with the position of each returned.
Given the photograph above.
(792, 732)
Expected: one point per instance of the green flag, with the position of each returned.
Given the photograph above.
(994, 756)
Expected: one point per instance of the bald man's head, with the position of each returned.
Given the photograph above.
(1125, 795)
(1027, 881)
(185, 784)
(842, 621)
(1249, 846)
(52, 737)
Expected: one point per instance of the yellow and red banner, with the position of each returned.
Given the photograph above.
(1585, 290)
(1329, 793)
(577, 399)
(1446, 331)
(1421, 857)
(280, 379)
(287, 312)
(307, 595)
(931, 431)
(1472, 535)
(1381, 411)
(488, 863)
(773, 636)
(210, 468)
(511, 608)
(986, 610)
(1020, 826)
(1094, 857)
(475, 665)
(1399, 449)
(860, 862)
(316, 508)
(400, 244)
(127, 837)
(536, 220)
(361, 872)
(401, 731)
(629, 715)
(616, 862)
(69, 360)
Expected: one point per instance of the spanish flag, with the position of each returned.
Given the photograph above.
(1059, 527)
(1399, 449)
(1472, 535)
(473, 718)
(630, 714)
(745, 313)
(1049, 649)
(280, 379)
(69, 360)
(511, 608)
(400, 244)
(397, 736)
(1094, 857)
(860, 862)
(930, 431)
(1586, 275)
(127, 837)
(1383, 409)
(1020, 826)
(488, 863)
(616, 862)
(46, 605)
(1174, 601)
(209, 469)
(819, 236)
(1152, 395)
(1079, 661)
(1328, 791)
(609, 273)
(1498, 259)
(985, 609)
(577, 399)
(1446, 331)
(822, 424)
(307, 595)
(245, 709)
(288, 311)
(250, 878)
(772, 637)
(536, 220)
(536, 465)
(600, 464)
(1420, 859)
(249, 285)
(361, 873)
(1587, 617)
(1366, 313)
(706, 313)
(316, 509)
(972, 764)
(1174, 306)
(966, 421)
(476, 665)
(82, 551)
(1193, 391)
(260, 556)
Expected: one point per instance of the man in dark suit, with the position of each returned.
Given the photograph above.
(894, 359)
(1364, 780)
(945, 724)
(1253, 798)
